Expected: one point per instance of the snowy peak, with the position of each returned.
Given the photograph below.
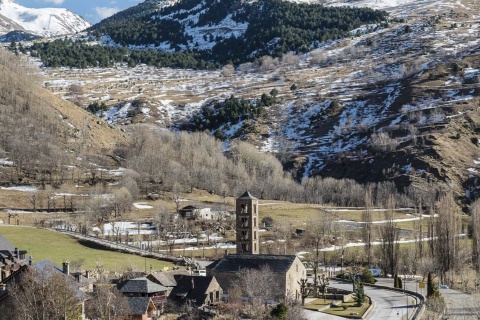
(43, 22)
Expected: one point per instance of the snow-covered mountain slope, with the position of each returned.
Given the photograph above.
(42, 22)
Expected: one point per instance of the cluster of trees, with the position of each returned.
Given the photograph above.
(294, 27)
(94, 107)
(230, 111)
(145, 31)
(79, 54)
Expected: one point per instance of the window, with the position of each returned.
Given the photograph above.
(254, 235)
(244, 222)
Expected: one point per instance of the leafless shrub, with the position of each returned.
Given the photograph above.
(381, 142)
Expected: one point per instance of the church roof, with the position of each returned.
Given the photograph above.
(237, 262)
(246, 195)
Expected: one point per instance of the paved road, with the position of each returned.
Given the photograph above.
(459, 305)
(121, 246)
(388, 304)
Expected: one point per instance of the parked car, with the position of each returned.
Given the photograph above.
(443, 286)
(202, 273)
(376, 272)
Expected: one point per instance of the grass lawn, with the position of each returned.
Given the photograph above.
(318, 304)
(351, 309)
(44, 244)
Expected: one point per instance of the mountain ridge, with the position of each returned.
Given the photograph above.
(45, 22)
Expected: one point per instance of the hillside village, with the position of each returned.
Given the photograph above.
(155, 166)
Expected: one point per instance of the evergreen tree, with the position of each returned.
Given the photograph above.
(359, 293)
(279, 312)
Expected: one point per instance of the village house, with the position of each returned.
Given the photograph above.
(139, 308)
(195, 212)
(143, 287)
(11, 259)
(199, 212)
(199, 290)
(167, 278)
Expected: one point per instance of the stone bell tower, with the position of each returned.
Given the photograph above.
(246, 210)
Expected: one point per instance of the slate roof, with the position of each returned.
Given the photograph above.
(5, 245)
(140, 285)
(184, 288)
(167, 278)
(237, 262)
(247, 195)
(138, 305)
(196, 207)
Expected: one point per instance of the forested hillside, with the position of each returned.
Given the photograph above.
(209, 32)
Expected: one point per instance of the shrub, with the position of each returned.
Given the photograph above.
(368, 276)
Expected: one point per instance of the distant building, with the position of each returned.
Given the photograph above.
(195, 212)
(204, 213)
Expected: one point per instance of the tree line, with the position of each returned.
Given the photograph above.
(79, 54)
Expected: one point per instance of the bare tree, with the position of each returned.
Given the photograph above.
(318, 236)
(105, 303)
(447, 229)
(367, 229)
(475, 212)
(41, 294)
(256, 287)
(389, 245)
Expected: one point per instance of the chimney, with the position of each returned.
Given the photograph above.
(66, 267)
(30, 260)
(87, 274)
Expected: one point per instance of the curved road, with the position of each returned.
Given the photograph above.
(388, 304)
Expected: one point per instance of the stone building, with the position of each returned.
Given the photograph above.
(287, 269)
(246, 212)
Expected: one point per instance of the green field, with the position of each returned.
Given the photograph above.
(44, 244)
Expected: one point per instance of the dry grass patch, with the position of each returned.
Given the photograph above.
(349, 309)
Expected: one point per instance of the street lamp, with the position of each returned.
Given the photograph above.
(341, 259)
